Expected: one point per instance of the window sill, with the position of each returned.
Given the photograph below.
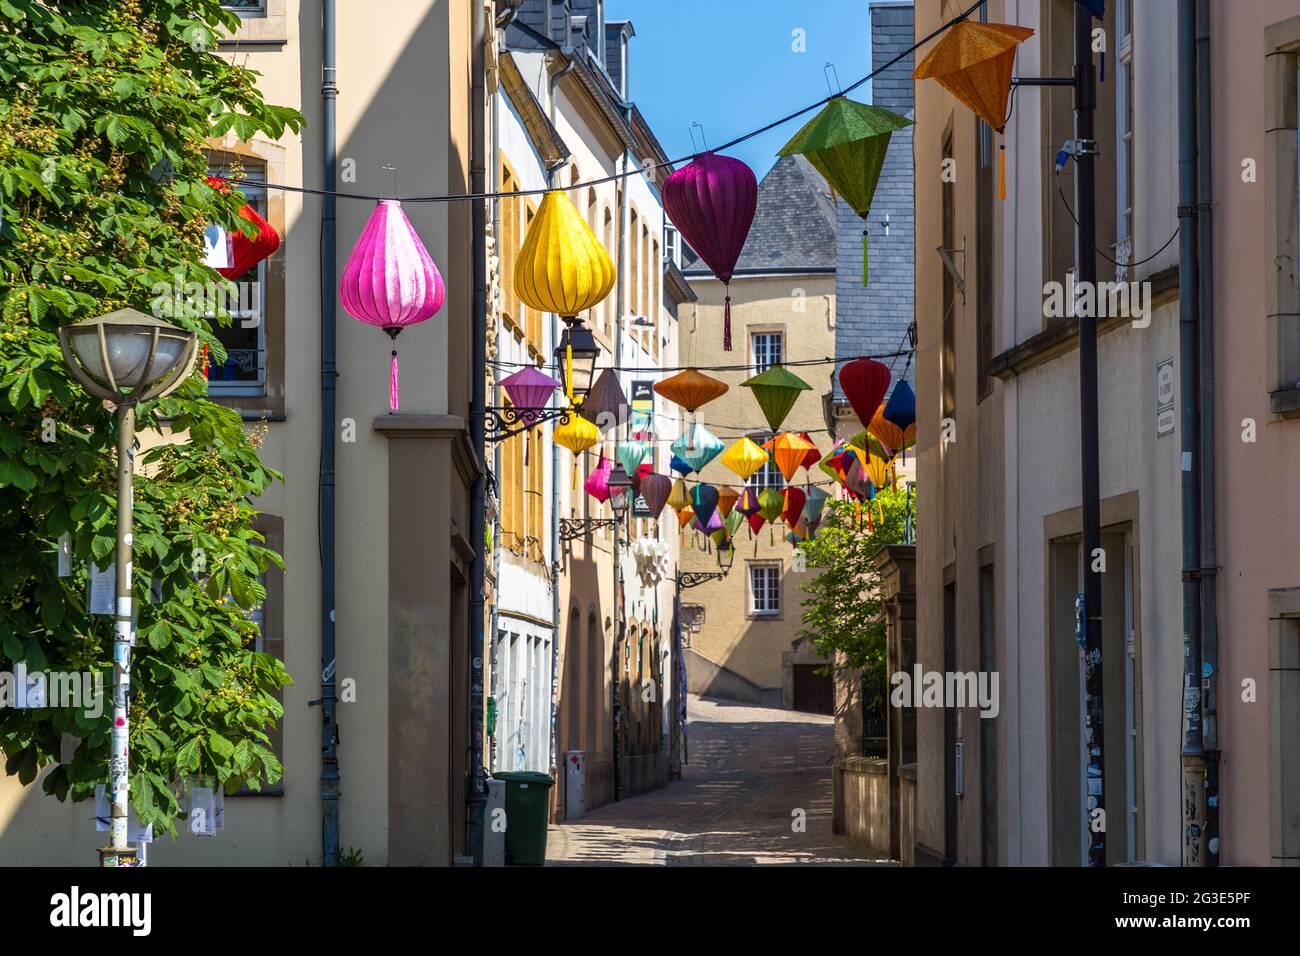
(764, 616)
(1285, 402)
(252, 408)
(267, 27)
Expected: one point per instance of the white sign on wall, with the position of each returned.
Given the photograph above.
(1165, 419)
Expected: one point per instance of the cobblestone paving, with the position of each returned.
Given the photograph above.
(750, 768)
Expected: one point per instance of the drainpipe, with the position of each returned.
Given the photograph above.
(497, 451)
(1209, 548)
(329, 774)
(476, 782)
(1193, 763)
(624, 212)
(555, 462)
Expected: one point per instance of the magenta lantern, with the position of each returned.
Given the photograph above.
(529, 391)
(390, 280)
(597, 483)
(711, 201)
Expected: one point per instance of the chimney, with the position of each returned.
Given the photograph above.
(891, 34)
(617, 35)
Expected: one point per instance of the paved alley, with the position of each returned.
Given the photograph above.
(749, 769)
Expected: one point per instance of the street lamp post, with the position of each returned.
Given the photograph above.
(125, 357)
(620, 497)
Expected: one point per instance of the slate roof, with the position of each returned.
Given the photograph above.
(794, 224)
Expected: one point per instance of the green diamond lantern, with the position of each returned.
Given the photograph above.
(846, 142)
(776, 391)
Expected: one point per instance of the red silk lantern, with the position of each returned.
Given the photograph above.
(246, 252)
(711, 201)
(795, 499)
(865, 382)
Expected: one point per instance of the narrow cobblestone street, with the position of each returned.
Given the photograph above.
(750, 768)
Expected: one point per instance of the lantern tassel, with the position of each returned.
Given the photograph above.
(207, 366)
(392, 383)
(1002, 172)
(726, 320)
(870, 529)
(864, 257)
(568, 371)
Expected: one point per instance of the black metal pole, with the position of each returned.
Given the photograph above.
(617, 695)
(1089, 464)
(1192, 759)
(1209, 557)
(476, 782)
(329, 774)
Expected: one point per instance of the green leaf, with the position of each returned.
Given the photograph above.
(219, 745)
(187, 756)
(16, 474)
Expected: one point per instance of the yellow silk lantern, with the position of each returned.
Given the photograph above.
(562, 267)
(744, 458)
(878, 472)
(679, 497)
(577, 434)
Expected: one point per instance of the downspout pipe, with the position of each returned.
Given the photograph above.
(329, 775)
(555, 469)
(492, 640)
(1192, 760)
(476, 780)
(1209, 545)
(624, 224)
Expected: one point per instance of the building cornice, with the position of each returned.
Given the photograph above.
(546, 139)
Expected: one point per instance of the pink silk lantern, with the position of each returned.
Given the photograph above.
(711, 201)
(390, 280)
(597, 483)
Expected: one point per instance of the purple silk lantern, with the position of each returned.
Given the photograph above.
(711, 201)
(390, 280)
(529, 391)
(655, 489)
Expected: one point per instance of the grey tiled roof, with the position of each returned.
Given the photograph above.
(794, 224)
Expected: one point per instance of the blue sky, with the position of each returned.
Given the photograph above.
(731, 66)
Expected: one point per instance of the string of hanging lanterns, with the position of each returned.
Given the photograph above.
(390, 281)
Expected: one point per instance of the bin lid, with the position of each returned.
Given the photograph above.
(525, 776)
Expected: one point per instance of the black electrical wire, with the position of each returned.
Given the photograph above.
(308, 190)
(1091, 245)
(502, 364)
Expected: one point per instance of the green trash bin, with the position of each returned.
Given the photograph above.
(528, 813)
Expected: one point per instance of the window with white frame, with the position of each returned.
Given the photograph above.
(769, 476)
(672, 245)
(766, 348)
(1124, 132)
(765, 588)
(244, 336)
(245, 6)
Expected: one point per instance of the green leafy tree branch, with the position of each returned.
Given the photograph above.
(844, 615)
(106, 107)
